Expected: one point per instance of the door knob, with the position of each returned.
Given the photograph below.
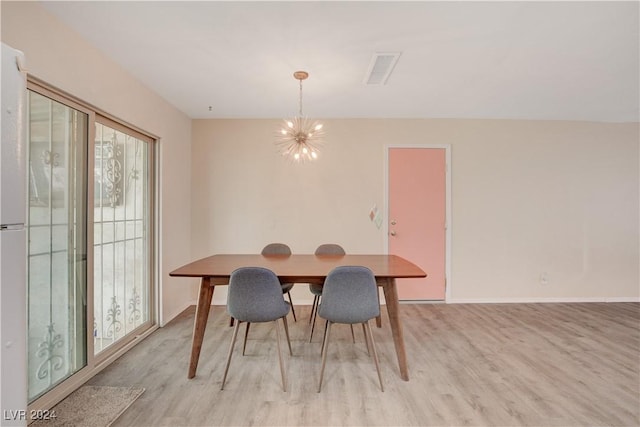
(393, 233)
(393, 222)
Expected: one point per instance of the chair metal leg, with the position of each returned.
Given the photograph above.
(366, 341)
(233, 341)
(353, 336)
(375, 353)
(324, 337)
(286, 331)
(325, 346)
(231, 320)
(246, 334)
(282, 374)
(313, 307)
(314, 314)
(293, 311)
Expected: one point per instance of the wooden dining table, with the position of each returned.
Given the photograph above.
(216, 270)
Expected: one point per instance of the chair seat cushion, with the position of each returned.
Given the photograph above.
(358, 315)
(315, 289)
(251, 312)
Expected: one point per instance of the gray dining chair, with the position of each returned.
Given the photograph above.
(281, 249)
(255, 295)
(316, 289)
(350, 295)
(277, 249)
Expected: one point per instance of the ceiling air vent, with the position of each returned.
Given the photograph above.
(381, 67)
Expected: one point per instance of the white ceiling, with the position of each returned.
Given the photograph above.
(506, 60)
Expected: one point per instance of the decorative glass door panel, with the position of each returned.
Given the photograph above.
(57, 345)
(121, 230)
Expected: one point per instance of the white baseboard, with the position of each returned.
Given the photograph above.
(168, 318)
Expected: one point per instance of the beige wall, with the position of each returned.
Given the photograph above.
(61, 58)
(527, 197)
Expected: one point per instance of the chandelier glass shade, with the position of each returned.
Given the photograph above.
(300, 138)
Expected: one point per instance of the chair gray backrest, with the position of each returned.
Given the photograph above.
(255, 295)
(330, 249)
(276, 249)
(349, 295)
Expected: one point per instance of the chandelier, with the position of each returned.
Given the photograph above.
(300, 138)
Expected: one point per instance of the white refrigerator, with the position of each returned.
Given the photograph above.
(13, 240)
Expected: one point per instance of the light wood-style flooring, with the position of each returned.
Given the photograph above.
(469, 364)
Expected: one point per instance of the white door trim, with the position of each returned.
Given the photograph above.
(448, 225)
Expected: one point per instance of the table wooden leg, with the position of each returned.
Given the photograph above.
(200, 323)
(393, 309)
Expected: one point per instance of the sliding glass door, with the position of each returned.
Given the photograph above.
(122, 225)
(57, 275)
(90, 241)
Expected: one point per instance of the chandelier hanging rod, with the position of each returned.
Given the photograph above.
(300, 75)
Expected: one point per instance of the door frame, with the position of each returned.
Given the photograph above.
(447, 249)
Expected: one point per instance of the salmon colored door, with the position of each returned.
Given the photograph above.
(417, 216)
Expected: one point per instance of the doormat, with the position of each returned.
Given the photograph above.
(90, 406)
